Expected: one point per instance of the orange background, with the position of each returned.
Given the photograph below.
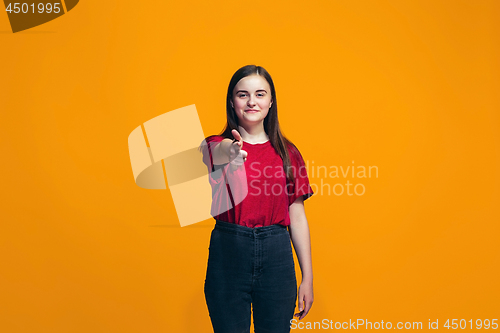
(408, 86)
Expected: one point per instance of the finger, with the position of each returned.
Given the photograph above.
(301, 302)
(236, 134)
(307, 307)
(301, 306)
(299, 315)
(304, 313)
(241, 155)
(237, 137)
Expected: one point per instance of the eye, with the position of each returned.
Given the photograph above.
(242, 95)
(260, 94)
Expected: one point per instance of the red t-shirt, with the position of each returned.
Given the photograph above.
(257, 194)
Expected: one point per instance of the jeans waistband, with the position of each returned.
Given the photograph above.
(246, 231)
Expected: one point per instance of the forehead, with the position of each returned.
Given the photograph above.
(252, 83)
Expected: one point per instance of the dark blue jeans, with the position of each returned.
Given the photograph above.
(250, 266)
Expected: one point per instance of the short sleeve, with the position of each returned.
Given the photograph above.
(300, 186)
(207, 146)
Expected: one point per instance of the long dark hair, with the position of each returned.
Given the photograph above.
(271, 124)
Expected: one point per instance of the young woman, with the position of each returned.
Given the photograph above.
(259, 184)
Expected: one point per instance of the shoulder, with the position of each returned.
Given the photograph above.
(211, 140)
(214, 138)
(294, 152)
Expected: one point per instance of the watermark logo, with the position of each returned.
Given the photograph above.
(28, 14)
(329, 177)
(321, 179)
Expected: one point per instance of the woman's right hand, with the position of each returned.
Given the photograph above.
(237, 156)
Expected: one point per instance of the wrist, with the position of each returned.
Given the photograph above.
(307, 279)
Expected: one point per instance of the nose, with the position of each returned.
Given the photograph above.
(251, 101)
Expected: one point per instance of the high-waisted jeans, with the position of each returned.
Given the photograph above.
(250, 266)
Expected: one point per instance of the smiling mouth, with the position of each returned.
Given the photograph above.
(251, 111)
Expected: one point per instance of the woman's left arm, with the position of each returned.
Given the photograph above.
(299, 233)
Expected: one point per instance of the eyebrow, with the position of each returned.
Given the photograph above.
(255, 91)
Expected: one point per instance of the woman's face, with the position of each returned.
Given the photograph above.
(251, 99)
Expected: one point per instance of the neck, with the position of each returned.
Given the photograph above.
(253, 134)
